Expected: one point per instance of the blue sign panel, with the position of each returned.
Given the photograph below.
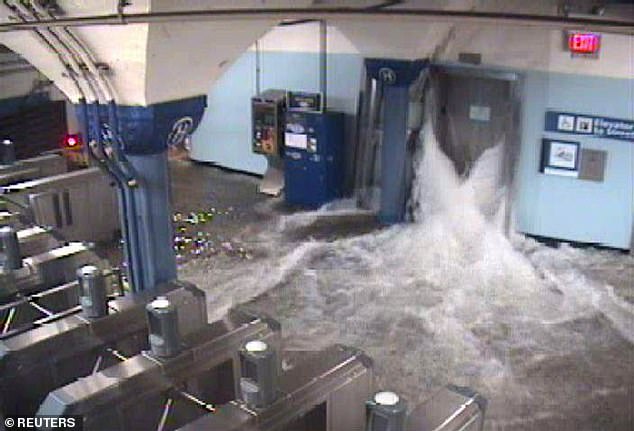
(590, 125)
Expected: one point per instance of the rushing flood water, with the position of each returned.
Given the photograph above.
(448, 298)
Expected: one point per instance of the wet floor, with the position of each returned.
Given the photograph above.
(545, 334)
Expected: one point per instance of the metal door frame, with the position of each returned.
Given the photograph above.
(513, 141)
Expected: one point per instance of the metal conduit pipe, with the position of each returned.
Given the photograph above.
(135, 263)
(122, 160)
(84, 54)
(113, 118)
(127, 179)
(14, 70)
(385, 4)
(14, 63)
(125, 201)
(83, 109)
(51, 47)
(80, 51)
(60, 57)
(323, 62)
(81, 55)
(107, 89)
(342, 13)
(75, 59)
(21, 12)
(59, 47)
(121, 177)
(89, 78)
(26, 16)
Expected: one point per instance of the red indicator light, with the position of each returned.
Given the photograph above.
(72, 141)
(583, 43)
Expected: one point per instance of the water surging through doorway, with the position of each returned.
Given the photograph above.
(447, 298)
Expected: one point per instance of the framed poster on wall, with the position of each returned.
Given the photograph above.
(560, 157)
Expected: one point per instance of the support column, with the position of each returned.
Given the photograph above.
(395, 78)
(140, 138)
(394, 155)
(146, 134)
(153, 215)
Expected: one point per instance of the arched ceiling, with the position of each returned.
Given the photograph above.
(148, 63)
(122, 48)
(162, 61)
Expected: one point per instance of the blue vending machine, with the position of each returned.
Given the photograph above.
(313, 157)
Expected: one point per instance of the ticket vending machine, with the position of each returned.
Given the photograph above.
(267, 113)
(313, 157)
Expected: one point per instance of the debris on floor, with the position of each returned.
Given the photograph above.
(194, 238)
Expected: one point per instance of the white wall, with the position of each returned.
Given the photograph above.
(570, 208)
(304, 38)
(289, 59)
(161, 62)
(543, 50)
(183, 59)
(525, 48)
(122, 47)
(22, 79)
(17, 84)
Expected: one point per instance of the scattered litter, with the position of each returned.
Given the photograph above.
(190, 242)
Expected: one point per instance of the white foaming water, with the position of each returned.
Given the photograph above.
(446, 299)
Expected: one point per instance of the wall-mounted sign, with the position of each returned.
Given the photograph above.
(584, 43)
(590, 125)
(304, 101)
(181, 129)
(480, 113)
(592, 165)
(560, 158)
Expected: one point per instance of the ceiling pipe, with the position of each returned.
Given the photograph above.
(14, 63)
(297, 22)
(258, 68)
(92, 75)
(15, 70)
(80, 50)
(74, 57)
(282, 14)
(382, 5)
(104, 84)
(39, 34)
(385, 4)
(323, 62)
(59, 45)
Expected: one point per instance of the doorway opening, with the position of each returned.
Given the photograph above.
(475, 110)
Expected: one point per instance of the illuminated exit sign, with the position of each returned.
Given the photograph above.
(584, 44)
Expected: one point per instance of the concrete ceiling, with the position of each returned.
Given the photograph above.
(184, 59)
(157, 62)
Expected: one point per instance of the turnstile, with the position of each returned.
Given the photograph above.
(33, 168)
(324, 390)
(185, 386)
(39, 356)
(80, 205)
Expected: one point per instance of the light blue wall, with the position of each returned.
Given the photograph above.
(224, 134)
(546, 205)
(569, 208)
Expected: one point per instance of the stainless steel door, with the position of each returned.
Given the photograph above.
(474, 113)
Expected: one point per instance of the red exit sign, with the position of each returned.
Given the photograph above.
(584, 43)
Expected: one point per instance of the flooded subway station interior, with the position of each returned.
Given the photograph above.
(447, 298)
(339, 216)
